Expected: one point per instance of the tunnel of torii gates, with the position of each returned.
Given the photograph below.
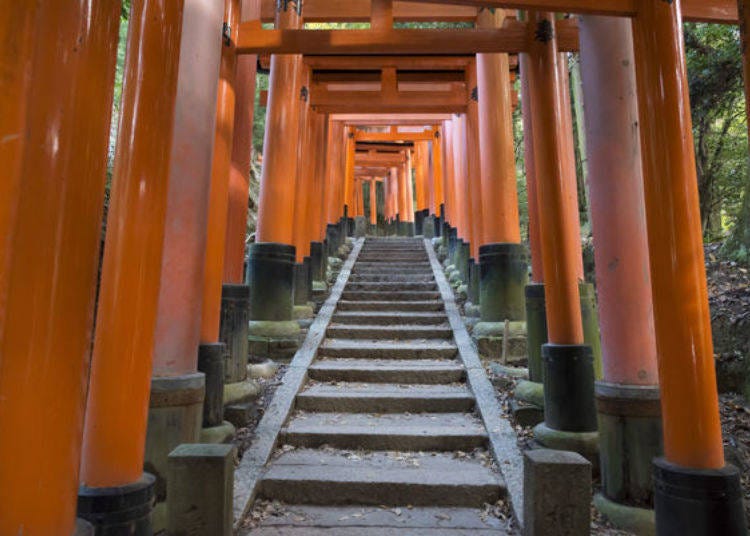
(421, 119)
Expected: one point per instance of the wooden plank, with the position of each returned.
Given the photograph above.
(594, 7)
(720, 11)
(359, 11)
(382, 119)
(376, 63)
(388, 136)
(367, 42)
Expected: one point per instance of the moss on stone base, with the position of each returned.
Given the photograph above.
(584, 443)
(224, 433)
(236, 393)
(488, 336)
(530, 392)
(639, 521)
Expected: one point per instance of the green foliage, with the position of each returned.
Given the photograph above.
(714, 60)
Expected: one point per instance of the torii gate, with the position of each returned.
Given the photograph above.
(155, 312)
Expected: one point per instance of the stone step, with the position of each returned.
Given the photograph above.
(396, 295)
(401, 331)
(379, 349)
(421, 432)
(390, 286)
(419, 479)
(360, 520)
(390, 264)
(391, 306)
(385, 398)
(384, 258)
(420, 371)
(389, 317)
(391, 278)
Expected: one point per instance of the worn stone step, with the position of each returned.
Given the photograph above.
(391, 264)
(396, 295)
(391, 305)
(399, 332)
(384, 258)
(420, 432)
(420, 479)
(420, 371)
(389, 317)
(391, 278)
(385, 268)
(385, 398)
(360, 520)
(389, 286)
(380, 349)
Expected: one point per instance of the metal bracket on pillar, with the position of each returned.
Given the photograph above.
(545, 32)
(226, 33)
(475, 94)
(304, 93)
(283, 5)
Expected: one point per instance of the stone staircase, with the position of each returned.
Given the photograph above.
(384, 438)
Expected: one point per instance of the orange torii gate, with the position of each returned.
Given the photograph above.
(155, 307)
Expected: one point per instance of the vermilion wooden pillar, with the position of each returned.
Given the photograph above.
(535, 241)
(449, 185)
(628, 395)
(319, 185)
(220, 171)
(500, 222)
(502, 259)
(694, 454)
(59, 58)
(239, 175)
(278, 178)
(463, 207)
(116, 440)
(373, 202)
(474, 168)
(567, 361)
(420, 175)
(438, 167)
(334, 173)
(304, 169)
(348, 189)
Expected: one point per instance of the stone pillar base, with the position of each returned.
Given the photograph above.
(235, 308)
(527, 404)
(584, 443)
(641, 521)
(360, 227)
(429, 227)
(503, 275)
(631, 437)
(174, 417)
(569, 388)
(223, 433)
(536, 329)
(694, 502)
(304, 315)
(490, 340)
(277, 341)
(119, 510)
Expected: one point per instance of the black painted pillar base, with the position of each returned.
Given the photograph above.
(464, 253)
(419, 222)
(317, 261)
(235, 311)
(272, 331)
(569, 387)
(698, 502)
(332, 239)
(472, 285)
(536, 329)
(302, 289)
(503, 278)
(121, 510)
(211, 364)
(630, 436)
(271, 280)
